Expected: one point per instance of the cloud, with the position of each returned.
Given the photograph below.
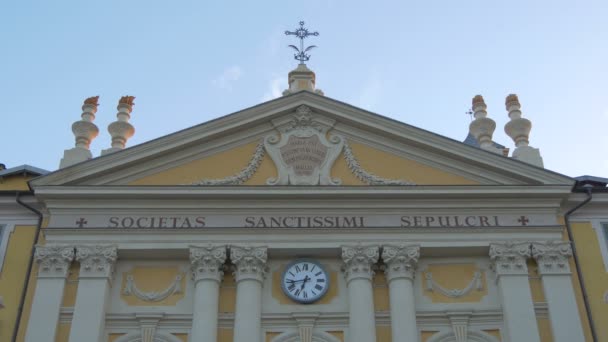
(275, 88)
(228, 77)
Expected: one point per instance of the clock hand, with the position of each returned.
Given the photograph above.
(304, 282)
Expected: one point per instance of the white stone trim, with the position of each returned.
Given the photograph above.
(158, 337)
(294, 336)
(475, 283)
(152, 296)
(244, 174)
(472, 336)
(6, 229)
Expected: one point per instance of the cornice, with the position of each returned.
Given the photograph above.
(347, 115)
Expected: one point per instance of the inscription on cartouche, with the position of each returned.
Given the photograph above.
(304, 155)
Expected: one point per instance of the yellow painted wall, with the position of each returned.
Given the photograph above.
(231, 162)
(272, 335)
(494, 332)
(337, 334)
(15, 182)
(426, 335)
(227, 302)
(63, 332)
(183, 337)
(114, 337)
(454, 276)
(225, 335)
(544, 329)
(71, 286)
(595, 276)
(536, 285)
(12, 278)
(381, 297)
(383, 333)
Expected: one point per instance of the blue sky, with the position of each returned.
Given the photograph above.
(419, 62)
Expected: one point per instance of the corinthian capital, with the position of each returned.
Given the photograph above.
(400, 261)
(552, 256)
(53, 261)
(207, 262)
(510, 258)
(250, 262)
(359, 261)
(96, 261)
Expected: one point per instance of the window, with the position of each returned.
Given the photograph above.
(5, 233)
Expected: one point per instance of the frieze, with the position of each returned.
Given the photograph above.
(286, 220)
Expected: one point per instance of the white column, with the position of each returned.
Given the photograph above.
(358, 264)
(509, 263)
(552, 259)
(54, 264)
(96, 269)
(250, 263)
(400, 269)
(207, 273)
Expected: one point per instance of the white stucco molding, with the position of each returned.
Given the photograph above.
(207, 262)
(552, 256)
(294, 336)
(365, 176)
(400, 261)
(250, 262)
(54, 260)
(158, 337)
(152, 296)
(242, 176)
(475, 283)
(359, 261)
(510, 258)
(472, 336)
(96, 261)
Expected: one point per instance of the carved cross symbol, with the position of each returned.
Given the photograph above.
(81, 222)
(523, 220)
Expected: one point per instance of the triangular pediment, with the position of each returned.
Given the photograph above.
(302, 139)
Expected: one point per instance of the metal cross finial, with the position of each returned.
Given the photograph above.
(302, 33)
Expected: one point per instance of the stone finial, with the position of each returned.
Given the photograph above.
(84, 132)
(518, 129)
(121, 130)
(482, 128)
(301, 78)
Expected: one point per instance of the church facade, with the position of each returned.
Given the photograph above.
(307, 219)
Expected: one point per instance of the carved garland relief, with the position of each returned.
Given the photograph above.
(304, 155)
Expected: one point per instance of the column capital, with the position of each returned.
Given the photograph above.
(552, 256)
(400, 261)
(54, 261)
(358, 261)
(207, 262)
(510, 258)
(96, 261)
(250, 262)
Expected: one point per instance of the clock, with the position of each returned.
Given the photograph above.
(305, 281)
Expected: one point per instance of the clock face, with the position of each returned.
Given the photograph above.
(305, 281)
